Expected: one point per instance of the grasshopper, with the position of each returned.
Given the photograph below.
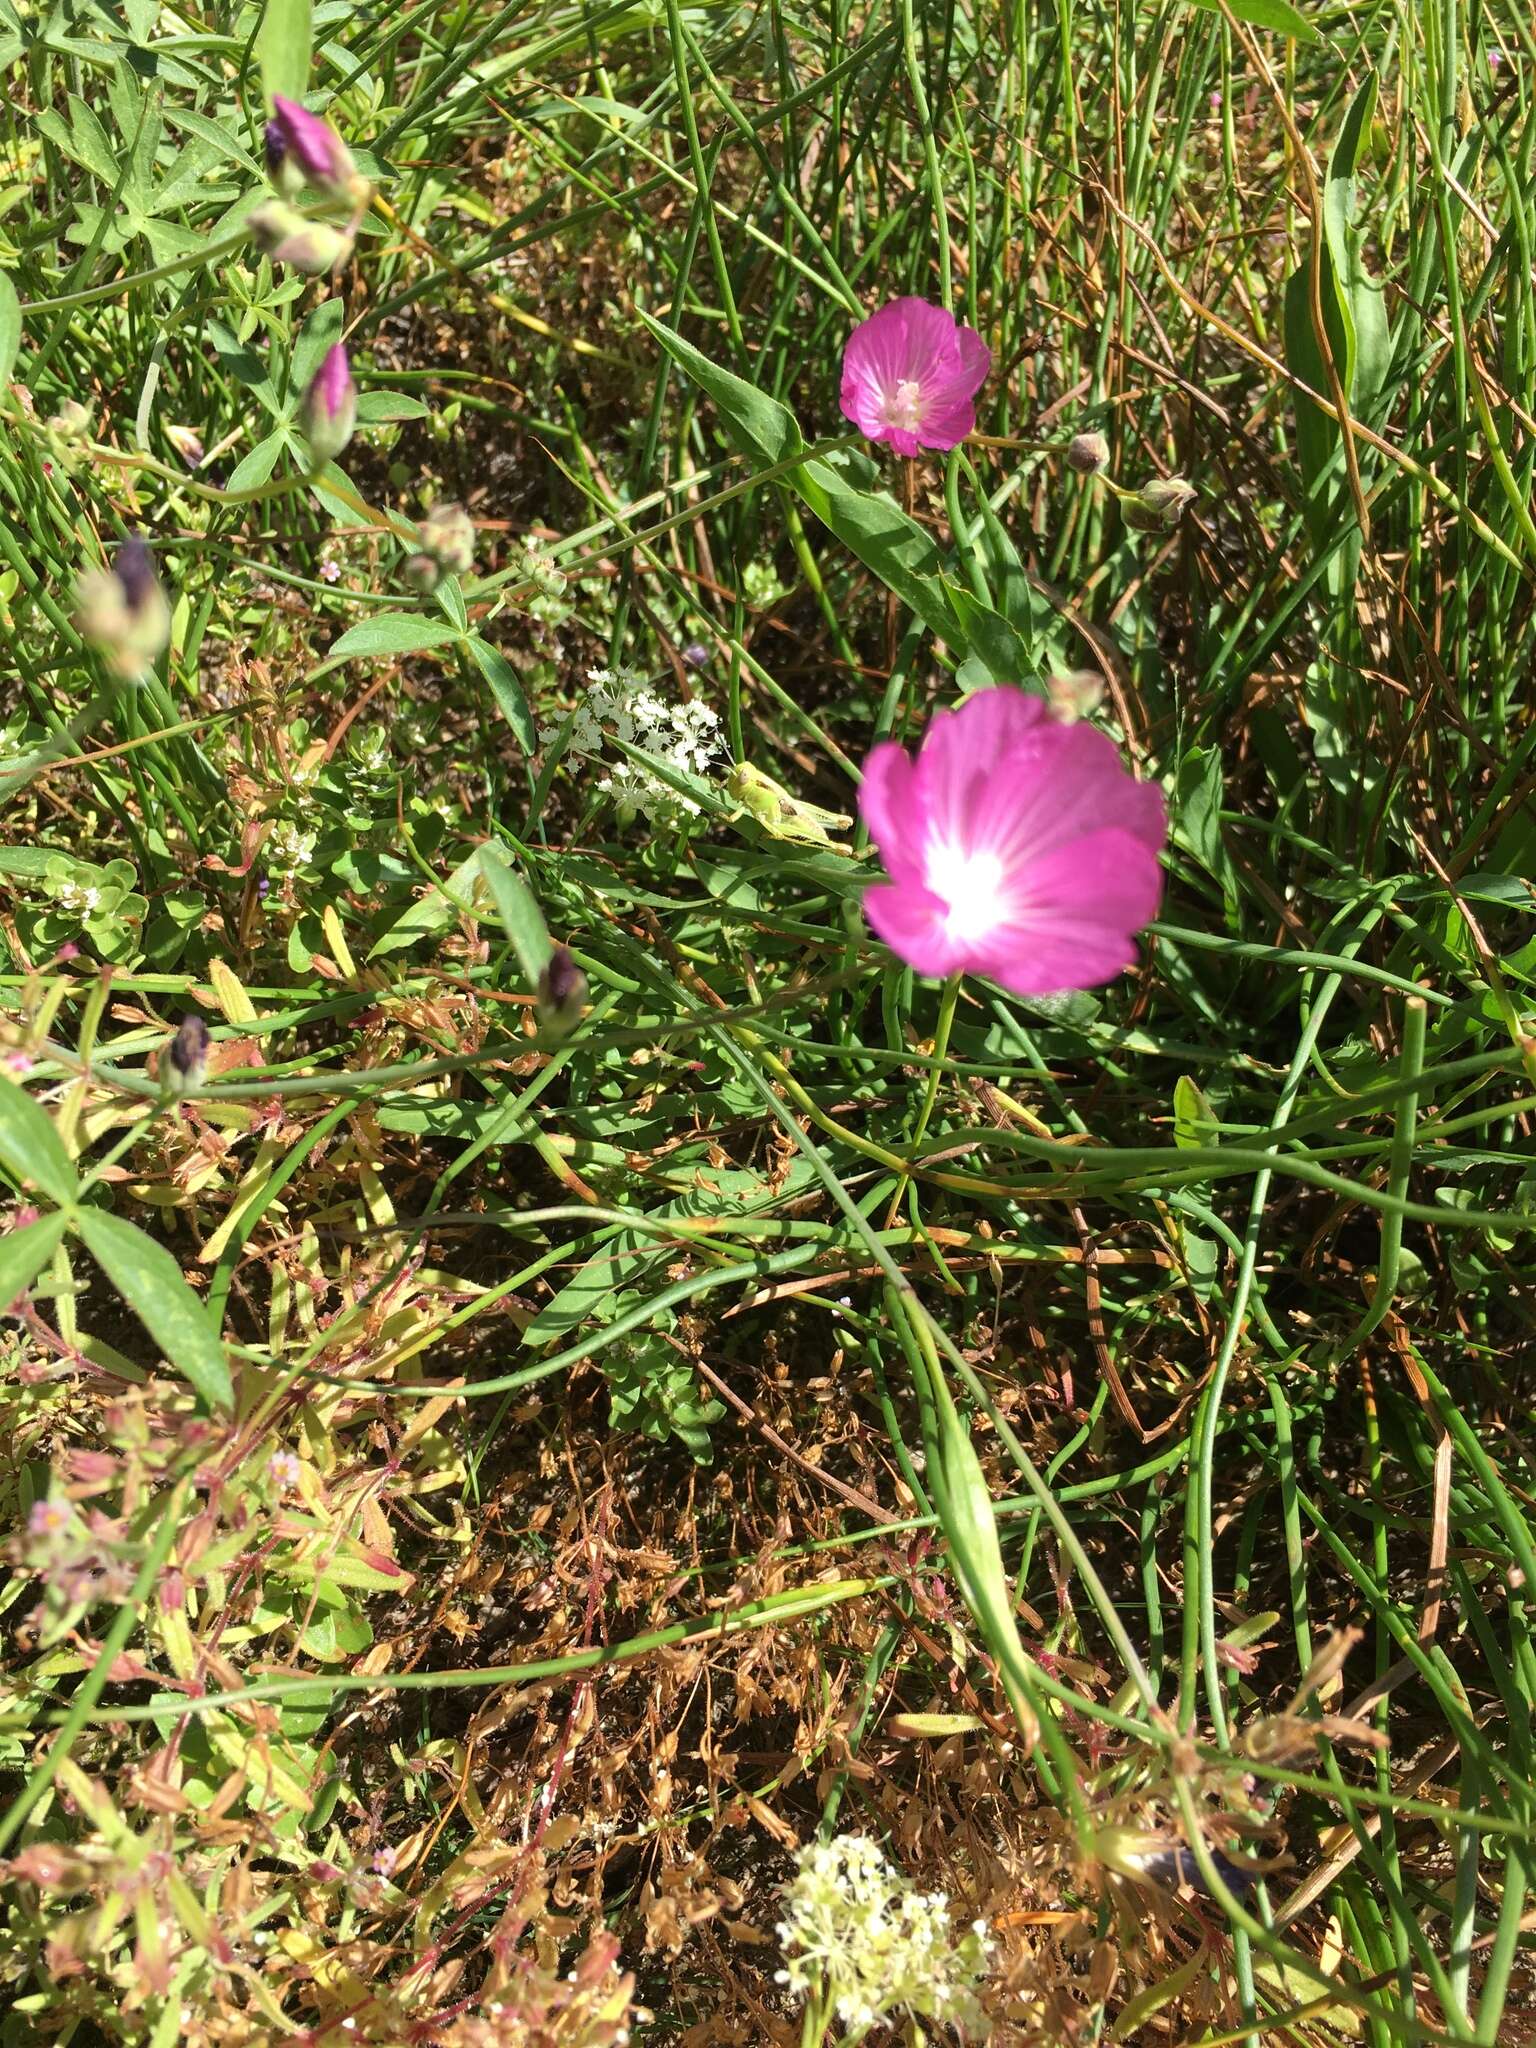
(781, 815)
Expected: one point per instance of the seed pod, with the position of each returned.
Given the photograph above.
(1088, 454)
(1158, 506)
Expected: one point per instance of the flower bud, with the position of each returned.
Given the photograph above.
(329, 411)
(187, 442)
(448, 533)
(71, 423)
(124, 613)
(422, 572)
(695, 655)
(185, 1065)
(1088, 454)
(562, 992)
(304, 149)
(287, 237)
(1075, 695)
(1158, 506)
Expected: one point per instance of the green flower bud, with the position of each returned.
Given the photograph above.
(448, 533)
(287, 237)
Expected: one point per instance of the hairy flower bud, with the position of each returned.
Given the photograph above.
(185, 1065)
(562, 992)
(422, 572)
(187, 442)
(72, 421)
(329, 410)
(1158, 506)
(1077, 694)
(302, 148)
(1088, 454)
(448, 533)
(124, 613)
(287, 237)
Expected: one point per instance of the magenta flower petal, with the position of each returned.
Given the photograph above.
(910, 376)
(294, 135)
(1017, 847)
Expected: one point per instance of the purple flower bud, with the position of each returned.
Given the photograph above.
(123, 612)
(562, 991)
(134, 567)
(329, 411)
(301, 139)
(187, 1054)
(287, 237)
(695, 655)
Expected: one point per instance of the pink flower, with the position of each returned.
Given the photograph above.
(1018, 847)
(910, 375)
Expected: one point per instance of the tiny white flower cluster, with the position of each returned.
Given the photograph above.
(679, 736)
(78, 896)
(863, 1943)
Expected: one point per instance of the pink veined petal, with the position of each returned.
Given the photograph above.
(1085, 903)
(947, 425)
(967, 767)
(929, 334)
(888, 805)
(975, 359)
(1029, 965)
(901, 441)
(911, 922)
(1046, 788)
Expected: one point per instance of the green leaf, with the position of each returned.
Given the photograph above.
(507, 690)
(759, 425)
(1194, 1121)
(392, 633)
(257, 464)
(152, 1284)
(10, 327)
(518, 909)
(25, 1252)
(430, 913)
(31, 1150)
(283, 48)
(1355, 323)
(1275, 14)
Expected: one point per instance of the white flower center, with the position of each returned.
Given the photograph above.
(970, 884)
(904, 406)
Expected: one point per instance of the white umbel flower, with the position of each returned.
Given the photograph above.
(864, 1945)
(684, 737)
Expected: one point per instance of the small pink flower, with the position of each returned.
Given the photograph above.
(911, 373)
(47, 1518)
(283, 1469)
(1018, 847)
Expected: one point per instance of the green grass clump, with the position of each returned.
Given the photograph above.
(596, 1377)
